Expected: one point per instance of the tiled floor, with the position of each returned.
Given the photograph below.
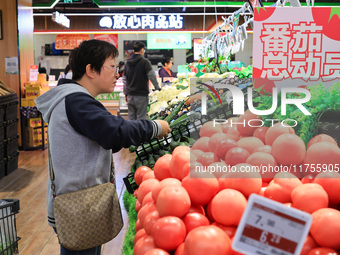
(29, 184)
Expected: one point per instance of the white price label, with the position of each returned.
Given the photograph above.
(269, 227)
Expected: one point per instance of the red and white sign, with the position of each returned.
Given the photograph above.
(111, 38)
(297, 46)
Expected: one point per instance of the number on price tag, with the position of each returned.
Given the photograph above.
(269, 227)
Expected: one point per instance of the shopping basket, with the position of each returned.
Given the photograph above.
(8, 234)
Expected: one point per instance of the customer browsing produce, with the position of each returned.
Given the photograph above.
(82, 133)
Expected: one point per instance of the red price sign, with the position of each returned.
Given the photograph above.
(269, 227)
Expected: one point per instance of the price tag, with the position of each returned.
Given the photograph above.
(269, 227)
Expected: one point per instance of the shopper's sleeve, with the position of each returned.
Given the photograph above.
(90, 118)
(152, 77)
(124, 85)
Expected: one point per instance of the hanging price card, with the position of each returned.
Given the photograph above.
(269, 227)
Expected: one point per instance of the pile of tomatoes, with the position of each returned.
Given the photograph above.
(187, 207)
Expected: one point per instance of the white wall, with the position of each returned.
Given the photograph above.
(179, 55)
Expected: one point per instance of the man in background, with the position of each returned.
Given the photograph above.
(137, 73)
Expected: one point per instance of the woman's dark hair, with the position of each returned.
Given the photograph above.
(166, 60)
(138, 46)
(93, 52)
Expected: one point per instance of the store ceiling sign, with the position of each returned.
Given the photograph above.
(169, 41)
(121, 21)
(299, 51)
(61, 19)
(71, 1)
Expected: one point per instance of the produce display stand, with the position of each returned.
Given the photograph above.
(297, 208)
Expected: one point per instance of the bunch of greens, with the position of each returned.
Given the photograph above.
(322, 99)
(129, 203)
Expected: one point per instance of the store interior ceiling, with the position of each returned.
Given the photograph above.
(200, 7)
(141, 6)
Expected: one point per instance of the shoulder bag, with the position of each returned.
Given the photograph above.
(89, 217)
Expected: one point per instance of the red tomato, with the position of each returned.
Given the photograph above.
(147, 199)
(180, 249)
(170, 196)
(321, 138)
(323, 251)
(157, 251)
(169, 232)
(262, 159)
(308, 179)
(214, 140)
(143, 245)
(202, 144)
(324, 154)
(289, 149)
(138, 225)
(247, 182)
(281, 187)
(275, 131)
(180, 157)
(202, 188)
(223, 146)
(139, 234)
(325, 227)
(194, 220)
(330, 23)
(250, 143)
(162, 167)
(207, 240)
(196, 153)
(186, 169)
(140, 173)
(210, 128)
(228, 206)
(145, 210)
(234, 132)
(229, 230)
(164, 183)
(209, 212)
(260, 133)
(196, 209)
(265, 148)
(236, 155)
(303, 195)
(135, 192)
(308, 245)
(248, 118)
(263, 13)
(207, 158)
(138, 206)
(148, 175)
(330, 181)
(146, 187)
(218, 169)
(149, 221)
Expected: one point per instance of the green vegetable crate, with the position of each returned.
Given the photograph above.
(8, 234)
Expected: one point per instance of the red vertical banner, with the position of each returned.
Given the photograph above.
(111, 38)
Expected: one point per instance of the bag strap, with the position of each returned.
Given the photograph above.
(51, 172)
